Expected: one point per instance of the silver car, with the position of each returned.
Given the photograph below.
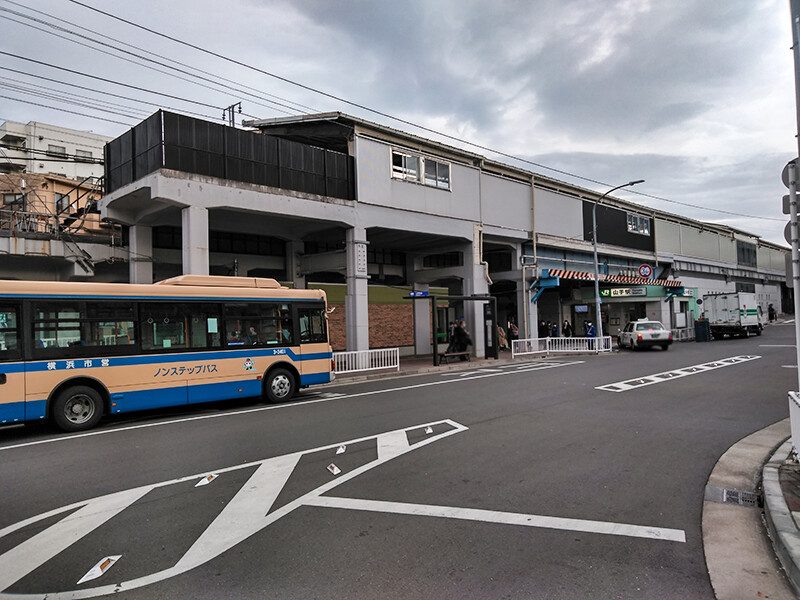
(644, 333)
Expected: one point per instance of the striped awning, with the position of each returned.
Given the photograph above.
(618, 279)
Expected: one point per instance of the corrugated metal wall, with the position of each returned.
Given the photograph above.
(171, 141)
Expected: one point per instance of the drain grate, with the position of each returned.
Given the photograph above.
(739, 497)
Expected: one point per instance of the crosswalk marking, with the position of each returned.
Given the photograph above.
(511, 368)
(637, 382)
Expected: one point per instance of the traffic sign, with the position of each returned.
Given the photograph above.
(785, 173)
(645, 271)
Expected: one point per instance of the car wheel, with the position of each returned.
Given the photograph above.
(77, 408)
(279, 386)
(665, 347)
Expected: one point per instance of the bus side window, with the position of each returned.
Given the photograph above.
(58, 324)
(312, 325)
(9, 332)
(163, 326)
(204, 322)
(111, 324)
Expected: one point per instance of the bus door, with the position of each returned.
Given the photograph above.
(12, 368)
(315, 360)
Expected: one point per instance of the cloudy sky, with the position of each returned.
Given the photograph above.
(694, 96)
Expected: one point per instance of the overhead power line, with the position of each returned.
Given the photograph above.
(82, 87)
(392, 117)
(114, 47)
(69, 111)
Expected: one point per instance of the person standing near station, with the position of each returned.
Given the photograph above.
(591, 332)
(566, 328)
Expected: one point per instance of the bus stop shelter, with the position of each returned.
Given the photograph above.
(489, 320)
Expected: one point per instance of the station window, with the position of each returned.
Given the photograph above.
(420, 169)
(638, 224)
(746, 254)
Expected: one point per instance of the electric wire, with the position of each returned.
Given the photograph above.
(398, 119)
(73, 99)
(81, 87)
(116, 42)
(389, 116)
(69, 111)
(129, 60)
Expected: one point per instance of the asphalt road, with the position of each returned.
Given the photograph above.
(520, 481)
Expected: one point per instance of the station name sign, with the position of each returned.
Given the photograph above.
(623, 292)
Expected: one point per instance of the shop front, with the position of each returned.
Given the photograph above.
(623, 299)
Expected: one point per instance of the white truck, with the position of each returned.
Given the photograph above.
(734, 314)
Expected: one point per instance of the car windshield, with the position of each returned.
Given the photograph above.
(649, 326)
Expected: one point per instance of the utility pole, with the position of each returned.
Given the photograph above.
(228, 114)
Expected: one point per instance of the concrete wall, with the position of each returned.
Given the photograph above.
(473, 196)
(558, 214)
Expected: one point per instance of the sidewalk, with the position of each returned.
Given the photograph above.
(417, 365)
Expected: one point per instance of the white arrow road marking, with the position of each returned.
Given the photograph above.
(392, 444)
(30, 554)
(240, 519)
(248, 513)
(245, 514)
(505, 518)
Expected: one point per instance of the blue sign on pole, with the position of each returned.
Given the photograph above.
(418, 294)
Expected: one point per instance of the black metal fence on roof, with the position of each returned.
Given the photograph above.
(170, 141)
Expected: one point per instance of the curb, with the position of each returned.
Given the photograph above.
(780, 523)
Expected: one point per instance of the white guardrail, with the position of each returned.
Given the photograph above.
(685, 334)
(560, 345)
(367, 360)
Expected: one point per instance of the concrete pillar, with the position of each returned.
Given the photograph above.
(422, 322)
(140, 268)
(475, 283)
(356, 301)
(194, 223)
(295, 249)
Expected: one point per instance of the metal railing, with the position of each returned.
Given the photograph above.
(367, 360)
(683, 335)
(559, 345)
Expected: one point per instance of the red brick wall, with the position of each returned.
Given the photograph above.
(390, 326)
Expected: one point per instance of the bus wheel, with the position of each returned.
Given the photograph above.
(279, 386)
(77, 408)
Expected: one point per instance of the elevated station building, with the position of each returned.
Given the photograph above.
(374, 212)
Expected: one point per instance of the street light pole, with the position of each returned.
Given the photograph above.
(598, 316)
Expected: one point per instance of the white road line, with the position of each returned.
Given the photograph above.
(638, 382)
(30, 554)
(298, 404)
(392, 444)
(506, 518)
(245, 514)
(777, 346)
(246, 517)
